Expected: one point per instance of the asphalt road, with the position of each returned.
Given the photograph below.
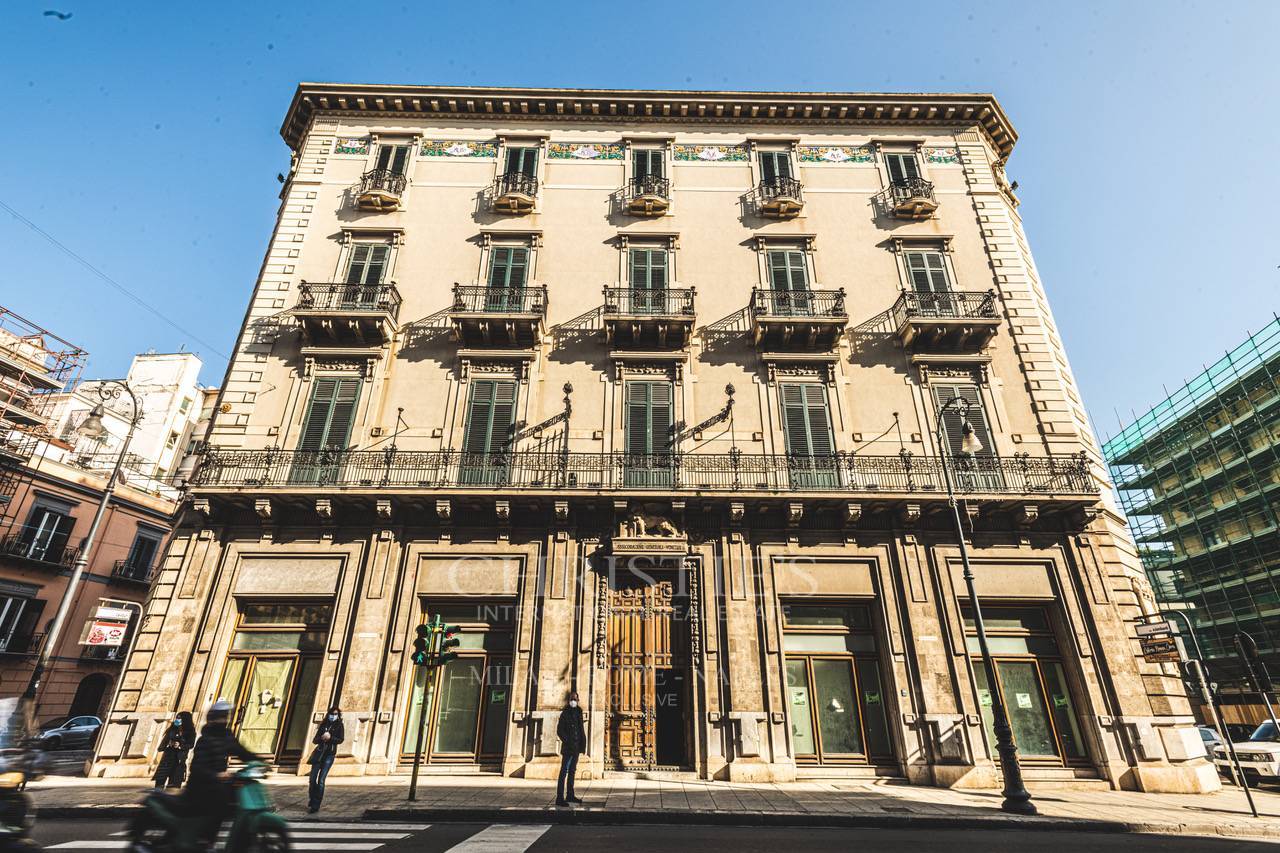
(369, 837)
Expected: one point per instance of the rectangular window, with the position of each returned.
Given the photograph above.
(142, 554)
(650, 420)
(902, 168)
(523, 161)
(330, 414)
(12, 609)
(928, 271)
(508, 275)
(810, 442)
(648, 163)
(172, 440)
(368, 263)
(788, 269)
(954, 417)
(774, 165)
(184, 406)
(393, 158)
(487, 436)
(648, 279)
(47, 531)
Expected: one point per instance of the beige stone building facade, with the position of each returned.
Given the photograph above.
(642, 391)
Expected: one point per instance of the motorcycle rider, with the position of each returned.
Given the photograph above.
(208, 790)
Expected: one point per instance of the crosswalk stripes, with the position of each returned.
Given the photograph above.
(362, 837)
(502, 838)
(303, 835)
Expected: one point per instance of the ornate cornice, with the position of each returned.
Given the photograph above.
(629, 105)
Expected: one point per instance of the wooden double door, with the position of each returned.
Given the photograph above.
(649, 675)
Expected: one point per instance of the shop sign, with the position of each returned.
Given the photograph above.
(1152, 629)
(1160, 649)
(106, 633)
(113, 614)
(1024, 700)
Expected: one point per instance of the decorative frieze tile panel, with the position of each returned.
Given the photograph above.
(458, 148)
(836, 154)
(942, 156)
(711, 153)
(581, 151)
(351, 146)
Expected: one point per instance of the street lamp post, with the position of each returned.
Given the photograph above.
(93, 427)
(1017, 798)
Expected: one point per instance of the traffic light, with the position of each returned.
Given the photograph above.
(421, 646)
(448, 643)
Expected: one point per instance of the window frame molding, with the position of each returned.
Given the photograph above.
(943, 244)
(669, 242)
(513, 238)
(914, 146)
(412, 139)
(393, 238)
(773, 145)
(806, 243)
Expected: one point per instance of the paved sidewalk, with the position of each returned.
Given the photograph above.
(815, 803)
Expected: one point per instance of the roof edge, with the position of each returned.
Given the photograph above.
(659, 105)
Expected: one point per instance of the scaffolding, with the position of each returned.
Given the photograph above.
(1199, 478)
(35, 364)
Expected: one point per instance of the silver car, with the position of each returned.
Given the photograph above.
(69, 732)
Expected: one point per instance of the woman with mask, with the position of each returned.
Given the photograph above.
(175, 743)
(328, 736)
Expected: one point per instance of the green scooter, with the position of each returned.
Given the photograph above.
(256, 827)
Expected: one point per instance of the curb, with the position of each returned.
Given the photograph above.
(597, 816)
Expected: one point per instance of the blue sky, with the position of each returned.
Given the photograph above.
(144, 137)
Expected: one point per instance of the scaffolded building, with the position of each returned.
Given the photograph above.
(1199, 477)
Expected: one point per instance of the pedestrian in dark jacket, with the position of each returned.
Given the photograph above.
(175, 743)
(573, 742)
(328, 736)
(208, 791)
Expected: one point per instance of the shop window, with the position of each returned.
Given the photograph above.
(836, 701)
(1032, 682)
(470, 697)
(272, 673)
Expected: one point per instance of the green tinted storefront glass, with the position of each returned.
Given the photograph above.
(497, 704)
(304, 698)
(416, 702)
(1064, 716)
(837, 712)
(801, 712)
(875, 719)
(459, 712)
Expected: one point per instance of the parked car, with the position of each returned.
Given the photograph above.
(1210, 738)
(69, 732)
(1259, 755)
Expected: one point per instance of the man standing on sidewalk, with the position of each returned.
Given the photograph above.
(573, 742)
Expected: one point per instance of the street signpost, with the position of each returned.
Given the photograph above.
(1155, 629)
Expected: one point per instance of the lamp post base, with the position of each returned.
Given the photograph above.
(1018, 804)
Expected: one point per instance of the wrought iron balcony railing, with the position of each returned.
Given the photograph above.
(37, 549)
(482, 299)
(775, 188)
(649, 185)
(21, 644)
(643, 301)
(338, 297)
(951, 304)
(731, 472)
(125, 570)
(798, 303)
(515, 183)
(907, 192)
(384, 180)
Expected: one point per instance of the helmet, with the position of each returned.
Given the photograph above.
(221, 708)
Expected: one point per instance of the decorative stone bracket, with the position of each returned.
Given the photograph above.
(746, 732)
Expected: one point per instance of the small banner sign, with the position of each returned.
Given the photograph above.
(106, 633)
(1160, 649)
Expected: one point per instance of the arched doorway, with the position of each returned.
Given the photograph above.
(89, 695)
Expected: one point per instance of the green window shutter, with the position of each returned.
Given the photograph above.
(523, 161)
(647, 162)
(649, 269)
(952, 421)
(774, 164)
(331, 414)
(788, 269)
(508, 266)
(902, 167)
(928, 272)
(649, 417)
(143, 552)
(807, 420)
(368, 263)
(393, 158)
(490, 416)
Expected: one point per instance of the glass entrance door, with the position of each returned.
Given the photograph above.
(1031, 683)
(835, 701)
(263, 705)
